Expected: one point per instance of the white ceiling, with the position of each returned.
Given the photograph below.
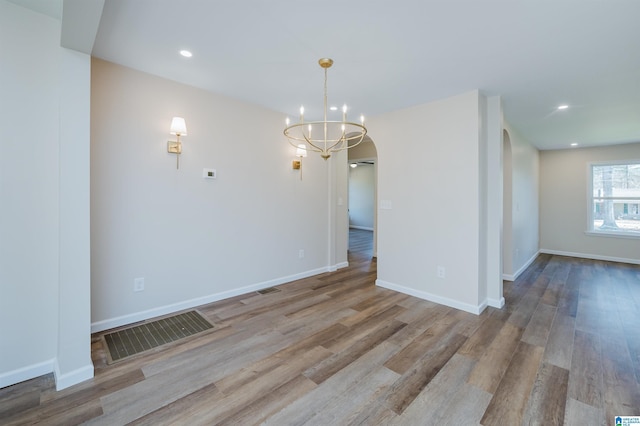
(536, 54)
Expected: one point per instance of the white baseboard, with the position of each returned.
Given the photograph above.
(496, 303)
(433, 298)
(192, 303)
(71, 378)
(26, 373)
(338, 266)
(591, 256)
(508, 277)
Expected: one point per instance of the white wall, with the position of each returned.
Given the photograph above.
(492, 195)
(507, 228)
(195, 240)
(428, 173)
(361, 196)
(44, 215)
(73, 363)
(563, 204)
(525, 165)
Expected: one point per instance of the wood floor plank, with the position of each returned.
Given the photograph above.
(585, 375)
(272, 402)
(89, 397)
(551, 295)
(379, 305)
(537, 330)
(247, 374)
(344, 411)
(414, 350)
(569, 295)
(359, 331)
(621, 391)
(338, 386)
(559, 346)
(466, 407)
(339, 360)
(546, 405)
(299, 362)
(479, 342)
(217, 352)
(185, 409)
(494, 362)
(229, 405)
(416, 324)
(327, 304)
(511, 397)
(72, 415)
(402, 393)
(631, 333)
(524, 311)
(431, 404)
(19, 402)
(581, 414)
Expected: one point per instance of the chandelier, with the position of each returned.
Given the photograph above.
(325, 136)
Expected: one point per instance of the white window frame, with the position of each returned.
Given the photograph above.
(590, 202)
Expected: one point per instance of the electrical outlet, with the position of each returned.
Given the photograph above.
(301, 254)
(138, 284)
(441, 272)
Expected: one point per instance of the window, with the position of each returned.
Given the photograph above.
(615, 198)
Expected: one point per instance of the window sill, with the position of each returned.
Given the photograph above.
(613, 234)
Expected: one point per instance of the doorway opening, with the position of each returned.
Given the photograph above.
(362, 191)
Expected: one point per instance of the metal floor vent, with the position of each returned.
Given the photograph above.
(269, 290)
(125, 343)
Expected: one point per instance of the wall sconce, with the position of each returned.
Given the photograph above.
(178, 128)
(301, 152)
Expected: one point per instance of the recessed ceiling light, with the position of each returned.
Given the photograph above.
(186, 53)
(333, 108)
(574, 144)
(563, 107)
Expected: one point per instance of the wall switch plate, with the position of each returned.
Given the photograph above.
(300, 254)
(385, 205)
(138, 284)
(441, 272)
(209, 173)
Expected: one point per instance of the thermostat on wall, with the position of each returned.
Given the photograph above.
(209, 173)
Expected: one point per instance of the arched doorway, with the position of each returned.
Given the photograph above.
(362, 184)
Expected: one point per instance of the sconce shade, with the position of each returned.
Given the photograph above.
(301, 151)
(178, 126)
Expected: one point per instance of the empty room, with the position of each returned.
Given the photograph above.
(320, 213)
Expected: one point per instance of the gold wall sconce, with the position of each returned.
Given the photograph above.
(178, 128)
(301, 152)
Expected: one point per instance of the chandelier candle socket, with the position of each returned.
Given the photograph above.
(329, 136)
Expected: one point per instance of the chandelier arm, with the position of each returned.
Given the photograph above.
(351, 146)
(345, 139)
(310, 142)
(338, 142)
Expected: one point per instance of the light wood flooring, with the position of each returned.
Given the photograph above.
(334, 349)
